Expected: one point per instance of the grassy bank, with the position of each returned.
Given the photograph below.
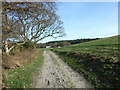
(97, 60)
(21, 77)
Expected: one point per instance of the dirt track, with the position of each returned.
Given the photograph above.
(57, 74)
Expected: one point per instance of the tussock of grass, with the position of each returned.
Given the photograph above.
(22, 77)
(97, 60)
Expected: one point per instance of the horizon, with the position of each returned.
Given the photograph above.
(87, 20)
(76, 39)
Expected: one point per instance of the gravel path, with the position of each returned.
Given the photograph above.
(57, 74)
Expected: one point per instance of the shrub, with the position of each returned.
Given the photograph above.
(29, 45)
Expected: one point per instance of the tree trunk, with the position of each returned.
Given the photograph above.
(7, 49)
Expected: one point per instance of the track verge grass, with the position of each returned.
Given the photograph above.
(21, 77)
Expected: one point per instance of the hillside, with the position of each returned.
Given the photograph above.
(54, 44)
(97, 60)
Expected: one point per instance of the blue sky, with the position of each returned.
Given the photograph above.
(88, 20)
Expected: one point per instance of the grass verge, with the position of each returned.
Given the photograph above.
(22, 77)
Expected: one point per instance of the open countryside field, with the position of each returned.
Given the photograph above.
(97, 60)
(59, 45)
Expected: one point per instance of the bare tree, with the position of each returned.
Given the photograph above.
(29, 21)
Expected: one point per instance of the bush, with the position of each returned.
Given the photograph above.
(29, 45)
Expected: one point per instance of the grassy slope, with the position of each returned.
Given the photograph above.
(22, 77)
(97, 60)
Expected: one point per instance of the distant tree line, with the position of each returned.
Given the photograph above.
(62, 43)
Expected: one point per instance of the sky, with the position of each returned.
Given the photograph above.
(87, 20)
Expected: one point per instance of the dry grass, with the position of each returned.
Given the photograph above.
(22, 77)
(18, 59)
(15, 60)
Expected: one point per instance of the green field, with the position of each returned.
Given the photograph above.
(97, 60)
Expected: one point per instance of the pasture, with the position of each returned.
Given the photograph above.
(97, 60)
